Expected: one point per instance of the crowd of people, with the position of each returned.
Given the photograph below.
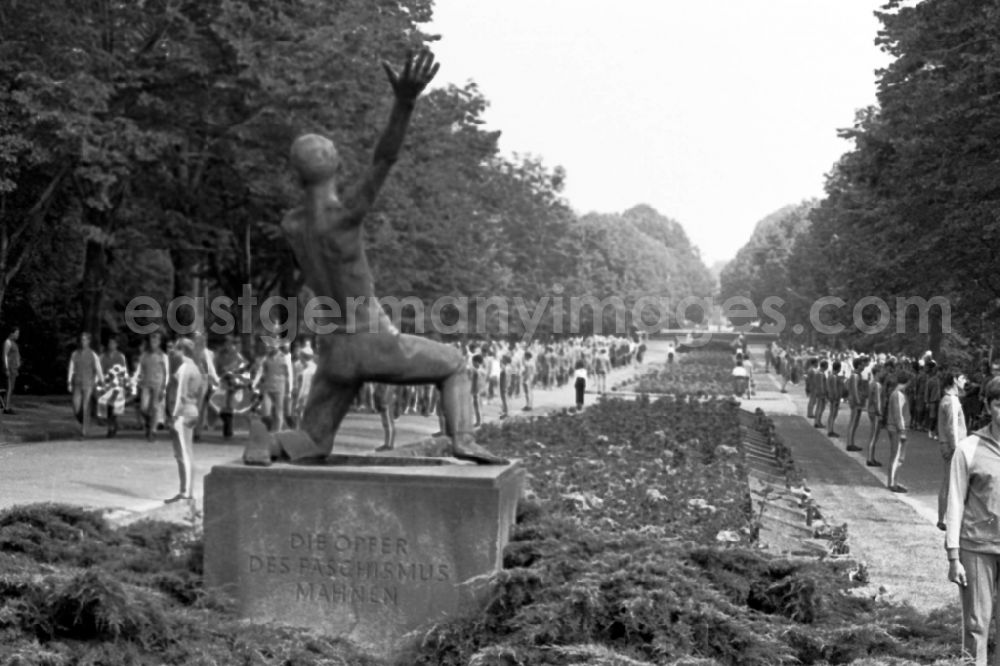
(959, 409)
(185, 386)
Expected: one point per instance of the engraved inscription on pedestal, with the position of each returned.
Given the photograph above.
(350, 569)
(364, 553)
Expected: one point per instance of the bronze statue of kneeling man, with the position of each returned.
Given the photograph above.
(326, 235)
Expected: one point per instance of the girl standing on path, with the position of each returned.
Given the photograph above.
(950, 423)
(189, 388)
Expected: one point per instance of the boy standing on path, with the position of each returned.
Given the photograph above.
(857, 398)
(950, 424)
(897, 423)
(972, 536)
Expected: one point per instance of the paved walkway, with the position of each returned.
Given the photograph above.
(894, 534)
(131, 477)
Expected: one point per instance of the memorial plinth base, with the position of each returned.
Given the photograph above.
(370, 554)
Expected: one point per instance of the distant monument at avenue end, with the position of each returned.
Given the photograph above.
(372, 548)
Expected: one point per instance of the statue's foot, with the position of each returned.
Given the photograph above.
(385, 448)
(296, 445)
(259, 445)
(465, 448)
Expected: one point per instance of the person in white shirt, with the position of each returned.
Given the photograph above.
(188, 392)
(303, 380)
(84, 375)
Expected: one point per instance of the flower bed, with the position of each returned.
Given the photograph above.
(634, 550)
(699, 373)
(601, 570)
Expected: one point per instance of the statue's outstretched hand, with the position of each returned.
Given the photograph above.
(417, 73)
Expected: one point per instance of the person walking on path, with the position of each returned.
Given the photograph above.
(972, 528)
(229, 365)
(580, 382)
(897, 423)
(274, 381)
(188, 390)
(112, 356)
(11, 365)
(950, 423)
(151, 378)
(876, 413)
(84, 376)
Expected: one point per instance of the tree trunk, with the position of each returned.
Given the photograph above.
(95, 281)
(935, 334)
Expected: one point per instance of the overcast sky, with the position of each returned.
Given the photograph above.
(715, 113)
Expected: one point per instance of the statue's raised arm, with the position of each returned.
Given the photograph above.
(407, 85)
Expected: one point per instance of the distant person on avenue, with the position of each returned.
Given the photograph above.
(972, 528)
(819, 390)
(950, 423)
(84, 376)
(11, 365)
(274, 381)
(835, 389)
(602, 366)
(580, 382)
(112, 356)
(188, 392)
(741, 378)
(811, 371)
(857, 399)
(229, 364)
(528, 372)
(876, 413)
(151, 379)
(897, 423)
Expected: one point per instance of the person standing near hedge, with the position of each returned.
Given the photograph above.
(972, 527)
(11, 364)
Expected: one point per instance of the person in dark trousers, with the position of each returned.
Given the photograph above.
(580, 382)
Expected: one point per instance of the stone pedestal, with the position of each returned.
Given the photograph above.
(367, 553)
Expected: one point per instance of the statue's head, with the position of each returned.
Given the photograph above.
(314, 158)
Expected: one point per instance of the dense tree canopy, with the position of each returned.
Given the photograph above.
(913, 210)
(143, 152)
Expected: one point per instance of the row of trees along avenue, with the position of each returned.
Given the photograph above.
(143, 151)
(913, 209)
